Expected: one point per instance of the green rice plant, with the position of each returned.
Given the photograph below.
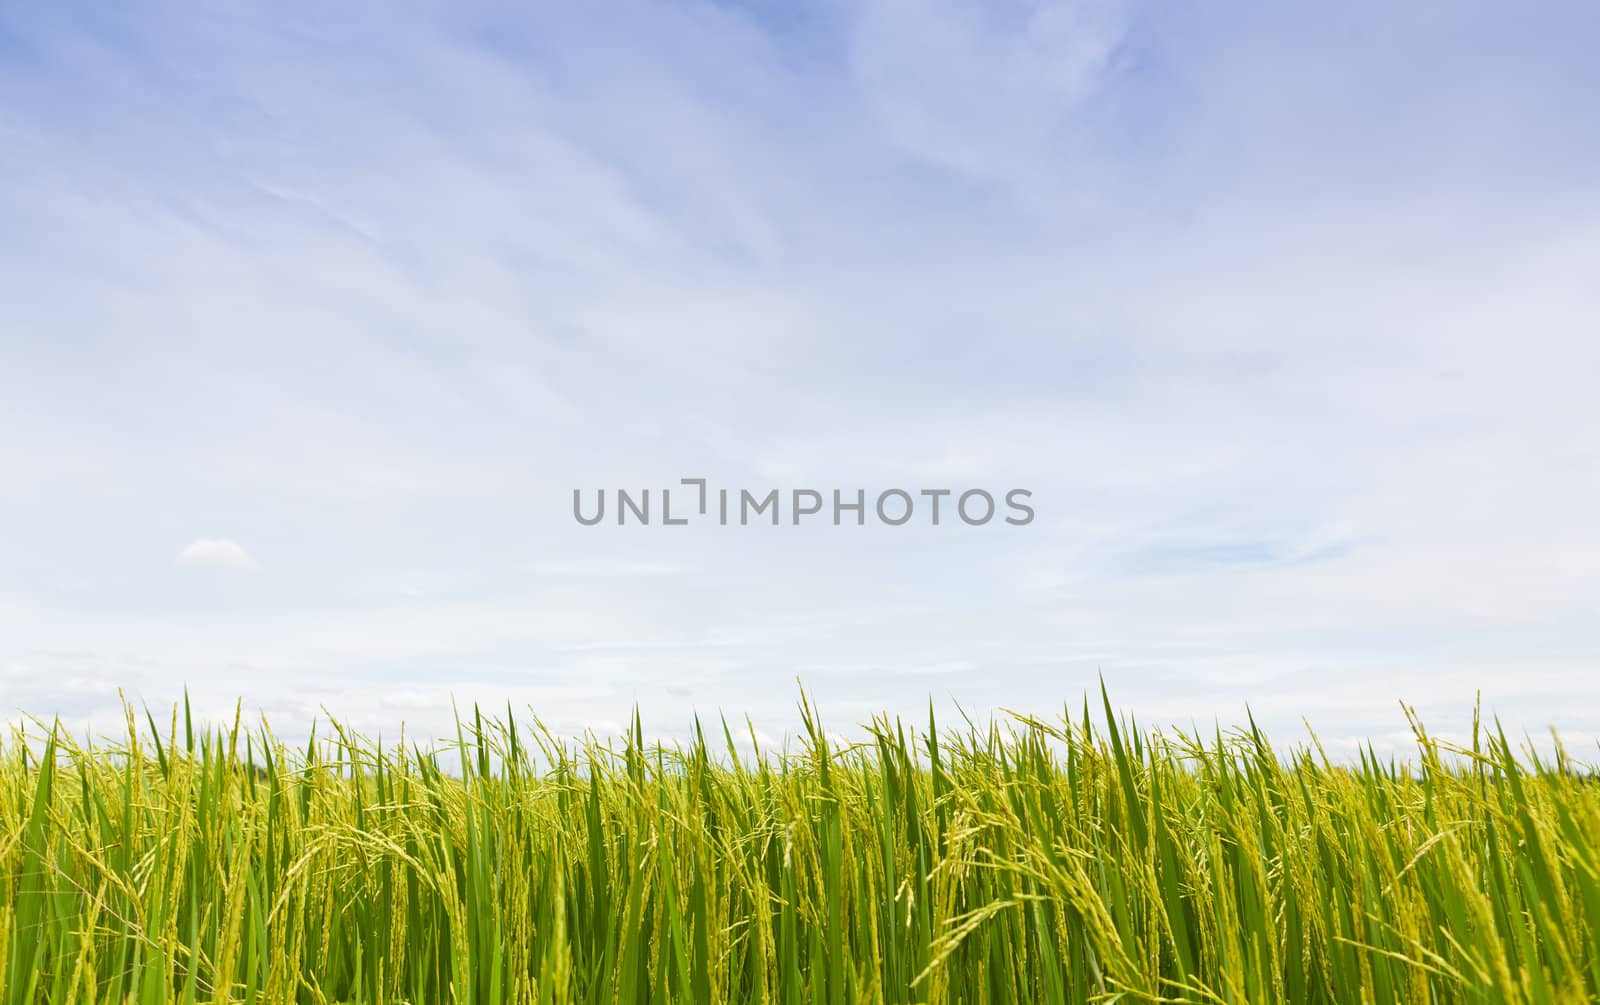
(1079, 859)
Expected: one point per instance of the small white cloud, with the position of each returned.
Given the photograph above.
(217, 553)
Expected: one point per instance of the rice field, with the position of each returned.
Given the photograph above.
(1082, 859)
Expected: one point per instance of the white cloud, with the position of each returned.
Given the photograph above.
(217, 553)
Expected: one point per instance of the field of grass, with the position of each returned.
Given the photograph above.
(1069, 861)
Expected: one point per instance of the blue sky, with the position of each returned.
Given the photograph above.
(314, 317)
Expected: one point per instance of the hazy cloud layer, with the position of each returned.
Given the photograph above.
(1287, 318)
